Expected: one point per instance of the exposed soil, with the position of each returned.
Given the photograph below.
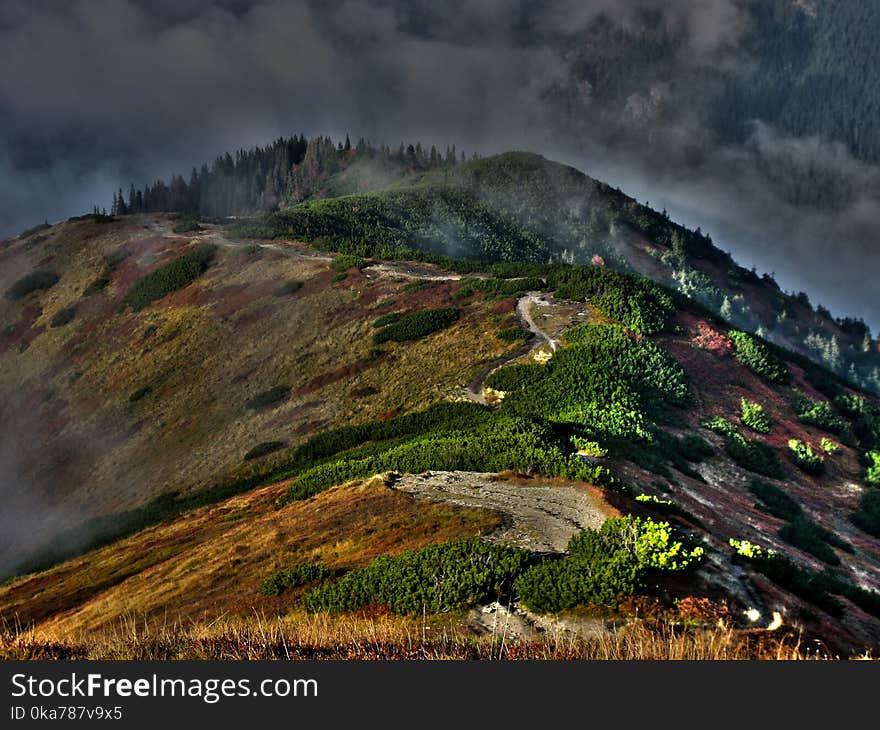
(542, 517)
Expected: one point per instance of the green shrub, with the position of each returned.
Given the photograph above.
(494, 444)
(872, 473)
(297, 575)
(387, 319)
(653, 545)
(344, 262)
(187, 225)
(636, 302)
(434, 579)
(829, 447)
(170, 277)
(415, 325)
(604, 382)
(752, 455)
(63, 316)
(417, 286)
(805, 534)
(588, 447)
(506, 287)
(261, 449)
(268, 398)
(756, 356)
(750, 550)
(775, 501)
(805, 458)
(111, 263)
(96, 286)
(755, 417)
(113, 259)
(851, 405)
(809, 585)
(288, 287)
(868, 515)
(514, 334)
(605, 564)
(139, 393)
(820, 414)
(559, 585)
(694, 448)
(515, 377)
(34, 281)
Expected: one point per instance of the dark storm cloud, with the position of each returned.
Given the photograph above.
(98, 93)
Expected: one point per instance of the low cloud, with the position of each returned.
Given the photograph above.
(101, 93)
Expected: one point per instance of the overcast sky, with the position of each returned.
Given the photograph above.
(95, 94)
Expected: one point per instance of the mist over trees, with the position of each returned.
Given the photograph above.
(267, 178)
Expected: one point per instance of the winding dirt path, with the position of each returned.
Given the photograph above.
(474, 389)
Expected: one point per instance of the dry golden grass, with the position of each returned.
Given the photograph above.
(393, 637)
(211, 562)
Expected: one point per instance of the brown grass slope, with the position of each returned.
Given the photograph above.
(193, 359)
(225, 338)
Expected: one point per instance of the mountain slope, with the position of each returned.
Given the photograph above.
(196, 347)
(118, 407)
(519, 207)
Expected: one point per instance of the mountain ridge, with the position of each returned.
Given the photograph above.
(262, 365)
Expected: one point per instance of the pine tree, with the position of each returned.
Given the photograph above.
(726, 309)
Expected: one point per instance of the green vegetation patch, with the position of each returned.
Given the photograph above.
(514, 334)
(111, 263)
(434, 579)
(37, 280)
(168, 278)
(775, 501)
(636, 302)
(296, 575)
(805, 458)
(755, 417)
(139, 394)
(805, 534)
(268, 398)
(753, 455)
(387, 319)
(344, 262)
(868, 515)
(605, 381)
(799, 530)
(516, 377)
(96, 286)
(606, 564)
(820, 414)
(757, 357)
(872, 472)
(63, 317)
(818, 588)
(187, 225)
(415, 325)
(288, 287)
